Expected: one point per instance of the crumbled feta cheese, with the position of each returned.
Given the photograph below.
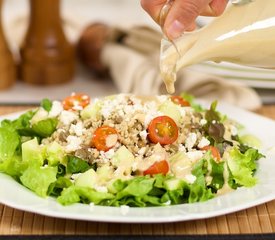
(203, 142)
(194, 155)
(190, 140)
(75, 176)
(134, 165)
(190, 178)
(162, 98)
(203, 121)
(167, 203)
(66, 117)
(124, 209)
(182, 148)
(142, 151)
(77, 129)
(109, 154)
(56, 109)
(73, 143)
(143, 134)
(182, 111)
(233, 130)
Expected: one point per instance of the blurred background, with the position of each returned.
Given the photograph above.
(76, 16)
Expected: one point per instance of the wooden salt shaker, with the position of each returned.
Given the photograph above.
(7, 64)
(46, 55)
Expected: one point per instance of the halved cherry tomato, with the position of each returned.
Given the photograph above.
(77, 101)
(214, 151)
(104, 138)
(163, 130)
(157, 168)
(180, 101)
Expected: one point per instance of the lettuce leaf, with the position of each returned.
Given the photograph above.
(243, 165)
(9, 142)
(38, 179)
(46, 127)
(198, 190)
(75, 194)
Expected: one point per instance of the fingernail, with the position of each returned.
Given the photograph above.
(175, 30)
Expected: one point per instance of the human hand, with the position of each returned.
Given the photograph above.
(183, 13)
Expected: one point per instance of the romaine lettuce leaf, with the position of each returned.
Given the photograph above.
(38, 179)
(9, 141)
(198, 190)
(46, 127)
(75, 194)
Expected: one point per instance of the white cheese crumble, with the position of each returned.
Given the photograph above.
(190, 140)
(182, 148)
(66, 117)
(203, 121)
(56, 109)
(124, 209)
(73, 143)
(107, 155)
(77, 129)
(194, 155)
(203, 142)
(190, 178)
(143, 134)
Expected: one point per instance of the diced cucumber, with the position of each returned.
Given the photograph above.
(55, 154)
(104, 173)
(123, 157)
(251, 140)
(87, 179)
(33, 152)
(171, 110)
(40, 115)
(173, 184)
(92, 111)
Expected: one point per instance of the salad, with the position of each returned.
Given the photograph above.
(127, 150)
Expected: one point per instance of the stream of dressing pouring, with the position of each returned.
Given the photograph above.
(244, 34)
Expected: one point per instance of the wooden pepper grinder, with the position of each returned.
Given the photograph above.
(46, 55)
(7, 64)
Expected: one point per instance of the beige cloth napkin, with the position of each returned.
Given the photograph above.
(134, 67)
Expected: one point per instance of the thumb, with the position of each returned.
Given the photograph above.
(182, 16)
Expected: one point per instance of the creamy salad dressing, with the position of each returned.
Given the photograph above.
(244, 34)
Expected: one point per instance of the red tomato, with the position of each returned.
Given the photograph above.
(214, 151)
(77, 101)
(163, 130)
(158, 167)
(180, 101)
(104, 138)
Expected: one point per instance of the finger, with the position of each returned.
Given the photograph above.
(182, 16)
(215, 8)
(153, 7)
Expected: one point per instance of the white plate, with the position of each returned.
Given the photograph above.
(17, 196)
(249, 76)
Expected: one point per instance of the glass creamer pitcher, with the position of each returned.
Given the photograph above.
(244, 34)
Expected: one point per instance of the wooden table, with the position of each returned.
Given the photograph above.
(260, 219)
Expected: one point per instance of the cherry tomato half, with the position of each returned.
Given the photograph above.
(163, 130)
(180, 101)
(77, 101)
(214, 151)
(104, 138)
(157, 168)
